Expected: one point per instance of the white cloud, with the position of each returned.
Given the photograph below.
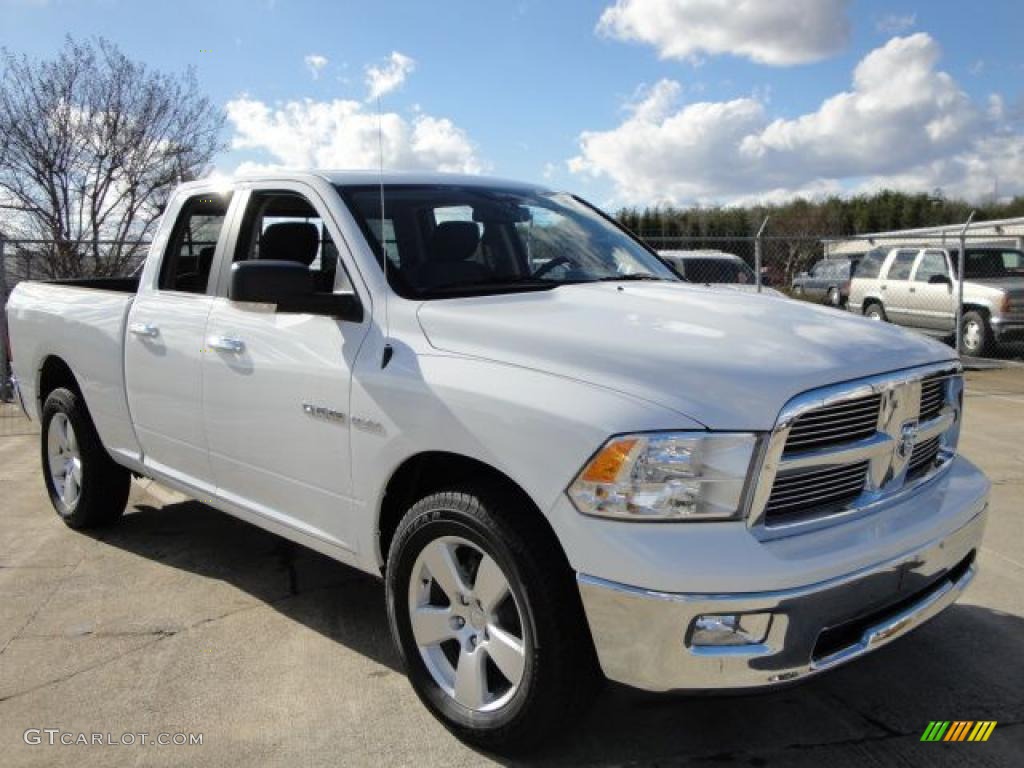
(775, 33)
(315, 63)
(343, 134)
(902, 123)
(895, 23)
(384, 79)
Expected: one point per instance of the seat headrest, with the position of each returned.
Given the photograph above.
(454, 241)
(290, 241)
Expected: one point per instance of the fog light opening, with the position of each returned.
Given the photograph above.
(730, 629)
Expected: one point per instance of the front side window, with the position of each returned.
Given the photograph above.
(455, 240)
(285, 226)
(188, 259)
(932, 263)
(901, 265)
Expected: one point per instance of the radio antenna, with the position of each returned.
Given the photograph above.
(383, 235)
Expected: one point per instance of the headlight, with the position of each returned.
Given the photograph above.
(667, 476)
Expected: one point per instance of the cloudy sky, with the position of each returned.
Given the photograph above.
(625, 101)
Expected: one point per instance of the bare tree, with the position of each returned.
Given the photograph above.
(91, 144)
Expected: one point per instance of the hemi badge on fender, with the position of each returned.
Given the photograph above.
(319, 412)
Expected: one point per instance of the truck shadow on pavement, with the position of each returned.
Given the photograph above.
(964, 665)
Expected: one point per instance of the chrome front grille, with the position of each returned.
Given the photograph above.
(835, 424)
(923, 457)
(852, 446)
(932, 397)
(805, 492)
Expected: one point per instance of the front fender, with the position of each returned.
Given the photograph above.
(537, 429)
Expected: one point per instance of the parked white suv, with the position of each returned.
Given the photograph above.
(916, 287)
(562, 459)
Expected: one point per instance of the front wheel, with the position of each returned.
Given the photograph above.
(484, 611)
(977, 334)
(875, 312)
(835, 299)
(86, 487)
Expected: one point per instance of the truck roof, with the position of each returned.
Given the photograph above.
(365, 177)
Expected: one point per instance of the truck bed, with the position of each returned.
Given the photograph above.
(83, 323)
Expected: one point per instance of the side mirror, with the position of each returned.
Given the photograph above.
(940, 280)
(289, 285)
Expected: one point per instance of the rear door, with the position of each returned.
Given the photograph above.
(276, 385)
(931, 304)
(895, 286)
(164, 341)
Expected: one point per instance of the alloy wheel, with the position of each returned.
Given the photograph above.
(466, 623)
(65, 460)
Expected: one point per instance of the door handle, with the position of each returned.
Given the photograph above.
(913, 290)
(144, 329)
(883, 287)
(226, 344)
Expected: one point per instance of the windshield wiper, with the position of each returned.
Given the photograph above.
(640, 276)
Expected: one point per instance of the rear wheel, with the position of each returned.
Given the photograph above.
(486, 617)
(875, 311)
(977, 333)
(834, 298)
(86, 487)
(798, 291)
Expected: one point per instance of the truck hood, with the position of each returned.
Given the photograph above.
(724, 359)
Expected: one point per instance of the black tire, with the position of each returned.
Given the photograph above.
(834, 298)
(559, 674)
(798, 291)
(103, 486)
(876, 311)
(977, 334)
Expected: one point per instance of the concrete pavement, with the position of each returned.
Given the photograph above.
(185, 620)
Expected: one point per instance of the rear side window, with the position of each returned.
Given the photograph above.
(871, 264)
(932, 263)
(189, 256)
(901, 265)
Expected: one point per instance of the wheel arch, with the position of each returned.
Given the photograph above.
(55, 373)
(430, 471)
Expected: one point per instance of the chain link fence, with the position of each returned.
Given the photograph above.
(910, 279)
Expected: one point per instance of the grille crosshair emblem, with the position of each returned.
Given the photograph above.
(908, 437)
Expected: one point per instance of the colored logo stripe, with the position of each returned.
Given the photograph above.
(958, 730)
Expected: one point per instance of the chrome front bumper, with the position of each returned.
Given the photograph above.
(643, 638)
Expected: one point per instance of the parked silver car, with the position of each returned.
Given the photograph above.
(717, 269)
(917, 287)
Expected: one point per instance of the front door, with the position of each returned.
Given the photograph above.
(164, 341)
(932, 304)
(276, 385)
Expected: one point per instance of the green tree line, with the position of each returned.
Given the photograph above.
(859, 214)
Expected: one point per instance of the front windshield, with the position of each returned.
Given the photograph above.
(443, 241)
(992, 262)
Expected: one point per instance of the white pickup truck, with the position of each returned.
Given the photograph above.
(564, 461)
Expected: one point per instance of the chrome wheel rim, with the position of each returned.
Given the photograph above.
(874, 314)
(972, 334)
(467, 624)
(65, 460)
